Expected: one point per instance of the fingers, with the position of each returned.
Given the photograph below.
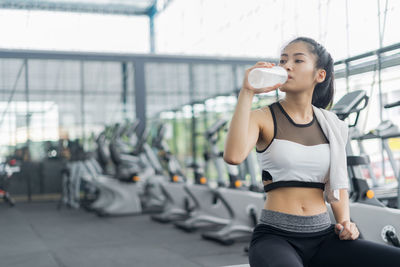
(339, 229)
(347, 231)
(354, 232)
(269, 89)
(261, 64)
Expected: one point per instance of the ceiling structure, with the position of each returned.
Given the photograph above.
(148, 8)
(120, 7)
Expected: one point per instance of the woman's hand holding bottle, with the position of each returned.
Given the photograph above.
(247, 86)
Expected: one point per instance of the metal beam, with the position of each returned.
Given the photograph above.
(28, 124)
(82, 92)
(152, 14)
(386, 62)
(148, 58)
(55, 91)
(140, 94)
(79, 7)
(124, 96)
(370, 53)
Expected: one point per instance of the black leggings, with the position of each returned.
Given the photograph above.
(271, 246)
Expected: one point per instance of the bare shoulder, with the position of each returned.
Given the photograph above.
(262, 115)
(264, 120)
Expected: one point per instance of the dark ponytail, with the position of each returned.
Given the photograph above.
(324, 91)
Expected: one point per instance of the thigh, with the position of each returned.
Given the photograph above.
(363, 253)
(274, 251)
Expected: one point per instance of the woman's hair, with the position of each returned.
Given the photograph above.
(324, 91)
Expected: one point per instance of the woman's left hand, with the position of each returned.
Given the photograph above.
(347, 230)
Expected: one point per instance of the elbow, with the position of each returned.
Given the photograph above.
(233, 154)
(232, 160)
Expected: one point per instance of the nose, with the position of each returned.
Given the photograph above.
(288, 66)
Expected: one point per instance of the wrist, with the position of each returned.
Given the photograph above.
(246, 91)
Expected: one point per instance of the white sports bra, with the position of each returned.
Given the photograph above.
(298, 155)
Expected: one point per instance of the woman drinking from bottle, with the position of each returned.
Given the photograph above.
(301, 151)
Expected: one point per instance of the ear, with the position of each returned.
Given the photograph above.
(320, 75)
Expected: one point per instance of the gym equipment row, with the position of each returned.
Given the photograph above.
(132, 174)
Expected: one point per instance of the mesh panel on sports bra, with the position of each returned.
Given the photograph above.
(309, 134)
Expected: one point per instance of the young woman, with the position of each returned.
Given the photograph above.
(301, 150)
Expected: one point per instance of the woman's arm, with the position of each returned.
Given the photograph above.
(344, 227)
(341, 208)
(244, 128)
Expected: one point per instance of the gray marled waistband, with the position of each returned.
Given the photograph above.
(295, 223)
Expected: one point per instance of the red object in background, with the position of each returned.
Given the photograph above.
(365, 173)
(12, 162)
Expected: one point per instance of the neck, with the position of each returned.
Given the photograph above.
(299, 106)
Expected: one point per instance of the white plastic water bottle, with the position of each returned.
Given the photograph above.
(267, 77)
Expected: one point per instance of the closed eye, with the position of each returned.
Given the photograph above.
(282, 61)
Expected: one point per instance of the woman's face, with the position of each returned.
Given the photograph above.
(300, 65)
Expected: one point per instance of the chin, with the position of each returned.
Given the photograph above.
(283, 89)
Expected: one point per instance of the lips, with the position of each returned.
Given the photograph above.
(290, 77)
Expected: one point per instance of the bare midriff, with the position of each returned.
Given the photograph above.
(296, 200)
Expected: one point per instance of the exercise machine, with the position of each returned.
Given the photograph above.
(7, 169)
(363, 202)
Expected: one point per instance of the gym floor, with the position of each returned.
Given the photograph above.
(37, 234)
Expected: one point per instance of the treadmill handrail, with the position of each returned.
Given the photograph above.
(392, 105)
(216, 127)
